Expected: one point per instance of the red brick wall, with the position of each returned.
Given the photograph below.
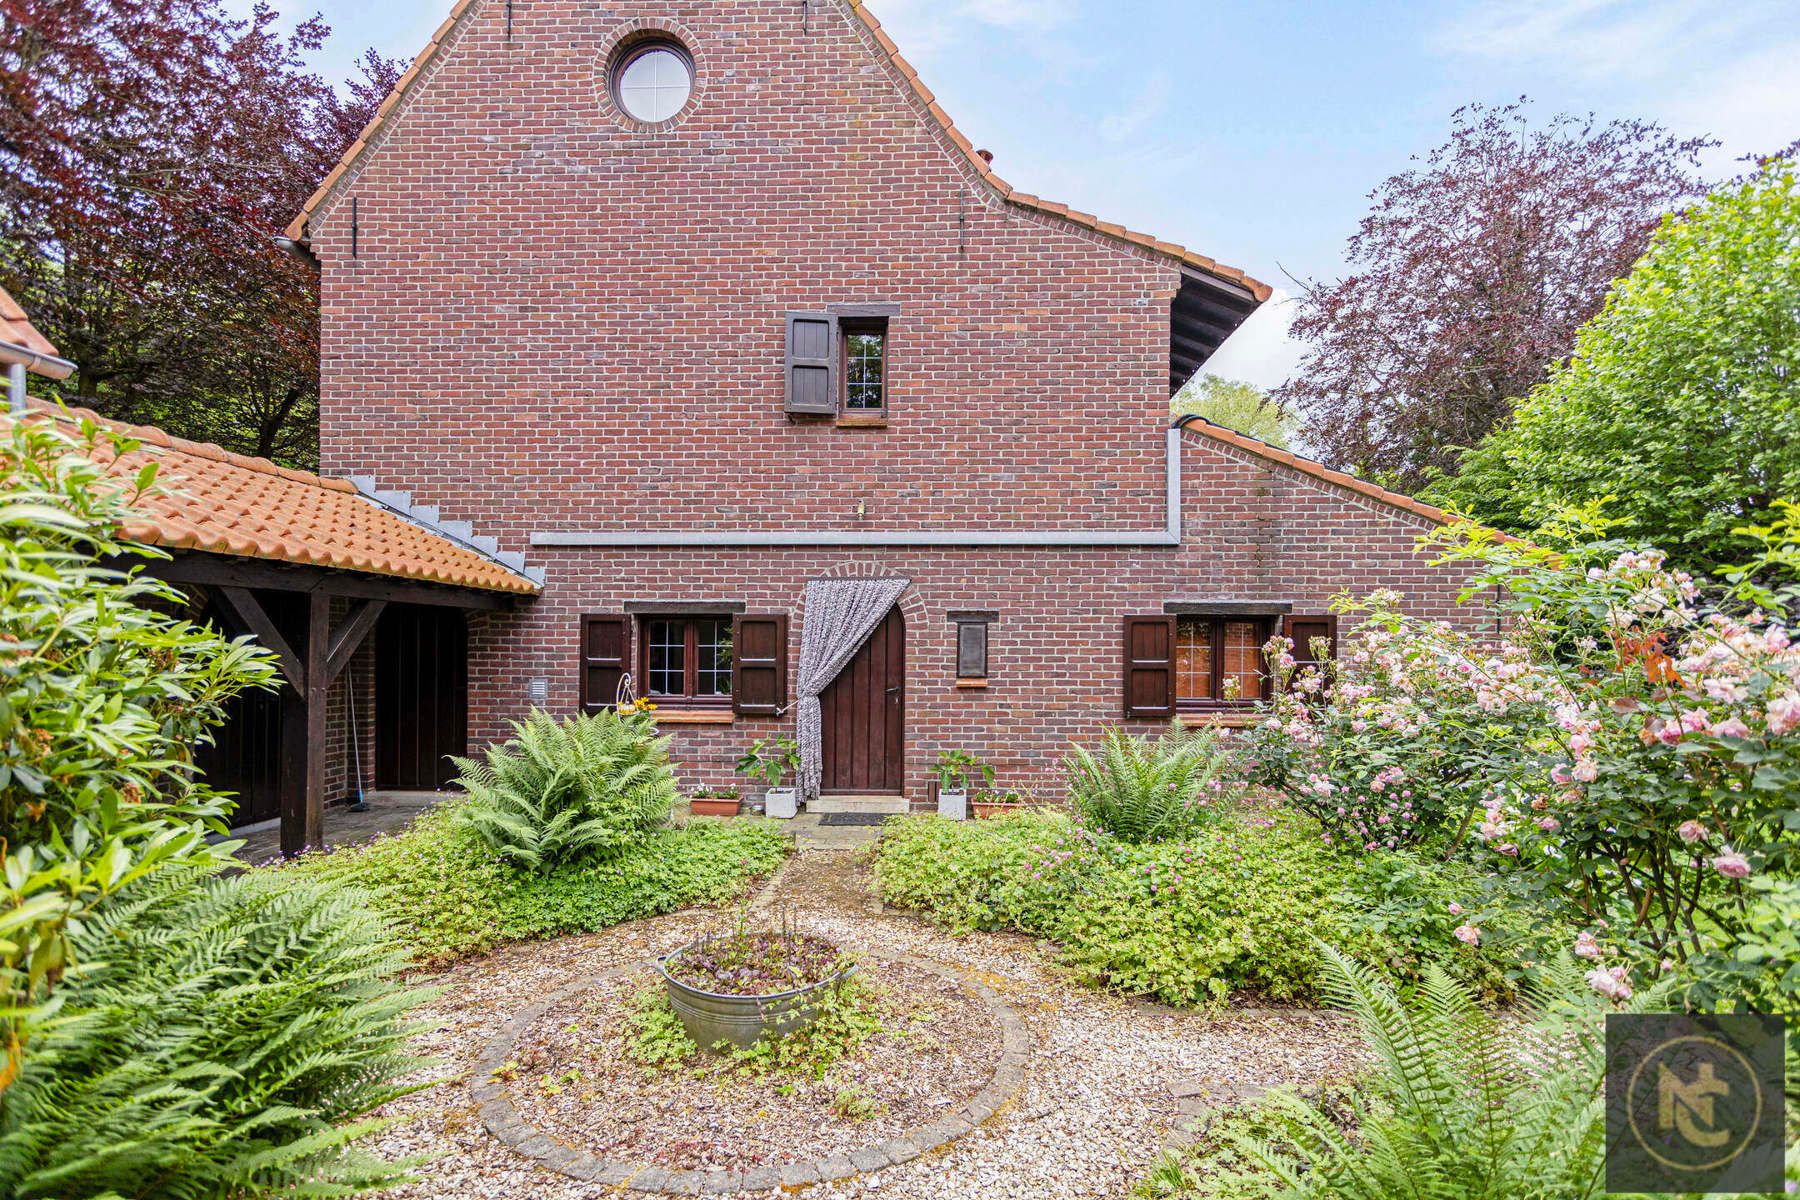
(1254, 530)
(556, 321)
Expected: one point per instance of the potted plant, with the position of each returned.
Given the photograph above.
(770, 759)
(706, 801)
(991, 803)
(738, 986)
(953, 770)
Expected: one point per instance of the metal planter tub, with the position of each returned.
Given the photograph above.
(713, 1017)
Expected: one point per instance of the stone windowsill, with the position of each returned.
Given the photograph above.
(1220, 720)
(694, 716)
(856, 421)
(971, 683)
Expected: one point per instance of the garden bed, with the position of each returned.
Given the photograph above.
(575, 1074)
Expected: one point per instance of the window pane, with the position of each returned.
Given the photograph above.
(654, 85)
(863, 355)
(1193, 659)
(712, 641)
(666, 646)
(1243, 660)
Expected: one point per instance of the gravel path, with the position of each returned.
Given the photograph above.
(1100, 1096)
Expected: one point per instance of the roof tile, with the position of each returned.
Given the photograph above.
(225, 503)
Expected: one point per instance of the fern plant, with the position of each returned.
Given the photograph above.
(1460, 1105)
(1142, 789)
(590, 787)
(228, 1038)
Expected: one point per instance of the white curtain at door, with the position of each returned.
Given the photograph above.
(840, 615)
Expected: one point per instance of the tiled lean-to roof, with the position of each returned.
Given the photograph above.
(224, 503)
(981, 167)
(16, 329)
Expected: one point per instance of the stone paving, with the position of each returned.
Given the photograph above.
(389, 812)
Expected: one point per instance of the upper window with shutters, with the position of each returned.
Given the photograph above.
(838, 363)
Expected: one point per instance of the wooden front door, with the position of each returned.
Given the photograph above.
(421, 696)
(864, 712)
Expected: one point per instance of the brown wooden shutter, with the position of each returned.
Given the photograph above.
(1303, 630)
(1150, 666)
(605, 651)
(759, 664)
(812, 363)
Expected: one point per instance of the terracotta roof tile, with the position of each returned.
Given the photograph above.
(16, 329)
(1306, 466)
(1261, 291)
(227, 503)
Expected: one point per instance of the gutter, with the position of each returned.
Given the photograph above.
(19, 360)
(1168, 535)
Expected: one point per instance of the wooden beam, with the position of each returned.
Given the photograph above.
(250, 616)
(303, 740)
(227, 570)
(357, 624)
(1190, 348)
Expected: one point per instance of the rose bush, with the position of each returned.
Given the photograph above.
(1626, 756)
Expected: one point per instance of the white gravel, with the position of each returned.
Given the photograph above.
(1098, 1104)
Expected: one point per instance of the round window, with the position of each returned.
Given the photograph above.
(653, 81)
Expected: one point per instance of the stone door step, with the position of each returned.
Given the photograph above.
(888, 805)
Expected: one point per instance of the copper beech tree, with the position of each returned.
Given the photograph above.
(150, 150)
(1470, 275)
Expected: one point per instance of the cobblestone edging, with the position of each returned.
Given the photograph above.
(505, 1123)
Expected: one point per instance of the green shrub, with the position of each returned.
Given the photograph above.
(226, 1039)
(704, 862)
(1145, 789)
(1188, 922)
(446, 895)
(589, 787)
(103, 695)
(1462, 1102)
(438, 884)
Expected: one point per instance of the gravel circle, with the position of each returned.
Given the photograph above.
(1106, 1084)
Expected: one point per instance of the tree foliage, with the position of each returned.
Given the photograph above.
(1472, 273)
(1235, 405)
(102, 697)
(1680, 408)
(153, 150)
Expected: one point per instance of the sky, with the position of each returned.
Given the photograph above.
(1254, 132)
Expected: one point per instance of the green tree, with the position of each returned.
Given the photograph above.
(1235, 405)
(1680, 408)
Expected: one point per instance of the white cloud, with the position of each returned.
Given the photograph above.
(1698, 66)
(923, 27)
(1025, 15)
(1142, 111)
(1262, 351)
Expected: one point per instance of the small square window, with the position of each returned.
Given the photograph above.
(1219, 661)
(687, 660)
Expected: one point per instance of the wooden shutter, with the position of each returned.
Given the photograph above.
(759, 664)
(605, 651)
(1303, 630)
(812, 363)
(1150, 666)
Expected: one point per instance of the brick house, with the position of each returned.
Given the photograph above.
(698, 302)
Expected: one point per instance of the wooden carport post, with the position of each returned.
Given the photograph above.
(305, 700)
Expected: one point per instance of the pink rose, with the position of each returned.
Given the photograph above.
(1732, 728)
(1468, 934)
(1610, 984)
(1455, 909)
(1586, 770)
(1732, 865)
(1691, 831)
(1586, 946)
(1549, 824)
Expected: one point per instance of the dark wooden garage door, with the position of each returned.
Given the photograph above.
(421, 696)
(864, 712)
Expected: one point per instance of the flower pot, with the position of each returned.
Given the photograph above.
(782, 803)
(713, 1017)
(710, 806)
(953, 803)
(985, 809)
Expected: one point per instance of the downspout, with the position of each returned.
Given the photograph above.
(1168, 535)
